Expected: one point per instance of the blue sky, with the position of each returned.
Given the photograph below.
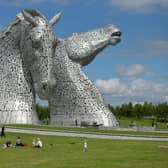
(134, 70)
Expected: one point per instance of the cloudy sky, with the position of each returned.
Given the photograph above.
(134, 70)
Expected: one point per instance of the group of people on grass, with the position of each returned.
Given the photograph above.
(37, 143)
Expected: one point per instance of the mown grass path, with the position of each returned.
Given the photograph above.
(85, 134)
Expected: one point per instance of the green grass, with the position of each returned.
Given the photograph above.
(91, 130)
(124, 122)
(66, 152)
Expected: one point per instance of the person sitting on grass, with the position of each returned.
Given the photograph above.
(8, 144)
(33, 143)
(39, 143)
(19, 142)
(85, 146)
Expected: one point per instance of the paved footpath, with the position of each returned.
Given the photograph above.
(81, 134)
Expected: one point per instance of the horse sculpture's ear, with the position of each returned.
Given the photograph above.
(55, 19)
(29, 18)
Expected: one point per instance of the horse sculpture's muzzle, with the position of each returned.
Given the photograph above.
(116, 34)
(115, 37)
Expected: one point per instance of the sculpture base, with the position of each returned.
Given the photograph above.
(17, 112)
(83, 119)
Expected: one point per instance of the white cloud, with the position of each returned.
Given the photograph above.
(112, 86)
(138, 90)
(131, 71)
(158, 47)
(165, 99)
(141, 87)
(161, 44)
(142, 6)
(155, 47)
(20, 2)
(30, 2)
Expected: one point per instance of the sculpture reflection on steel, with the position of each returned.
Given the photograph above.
(74, 99)
(26, 47)
(34, 61)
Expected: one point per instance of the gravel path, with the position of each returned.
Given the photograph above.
(81, 134)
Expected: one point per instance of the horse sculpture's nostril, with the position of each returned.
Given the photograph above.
(118, 33)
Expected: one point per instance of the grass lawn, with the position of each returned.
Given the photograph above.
(124, 122)
(66, 152)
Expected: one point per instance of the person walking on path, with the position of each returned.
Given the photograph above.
(3, 131)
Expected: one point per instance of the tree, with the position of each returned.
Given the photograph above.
(162, 112)
(138, 110)
(42, 112)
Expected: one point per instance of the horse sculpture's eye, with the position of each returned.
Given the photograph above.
(54, 43)
(36, 44)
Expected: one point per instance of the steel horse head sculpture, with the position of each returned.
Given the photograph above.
(75, 100)
(26, 49)
(34, 61)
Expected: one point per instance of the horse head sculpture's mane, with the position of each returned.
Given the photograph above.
(19, 18)
(34, 13)
(7, 29)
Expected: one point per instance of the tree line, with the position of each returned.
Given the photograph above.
(157, 111)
